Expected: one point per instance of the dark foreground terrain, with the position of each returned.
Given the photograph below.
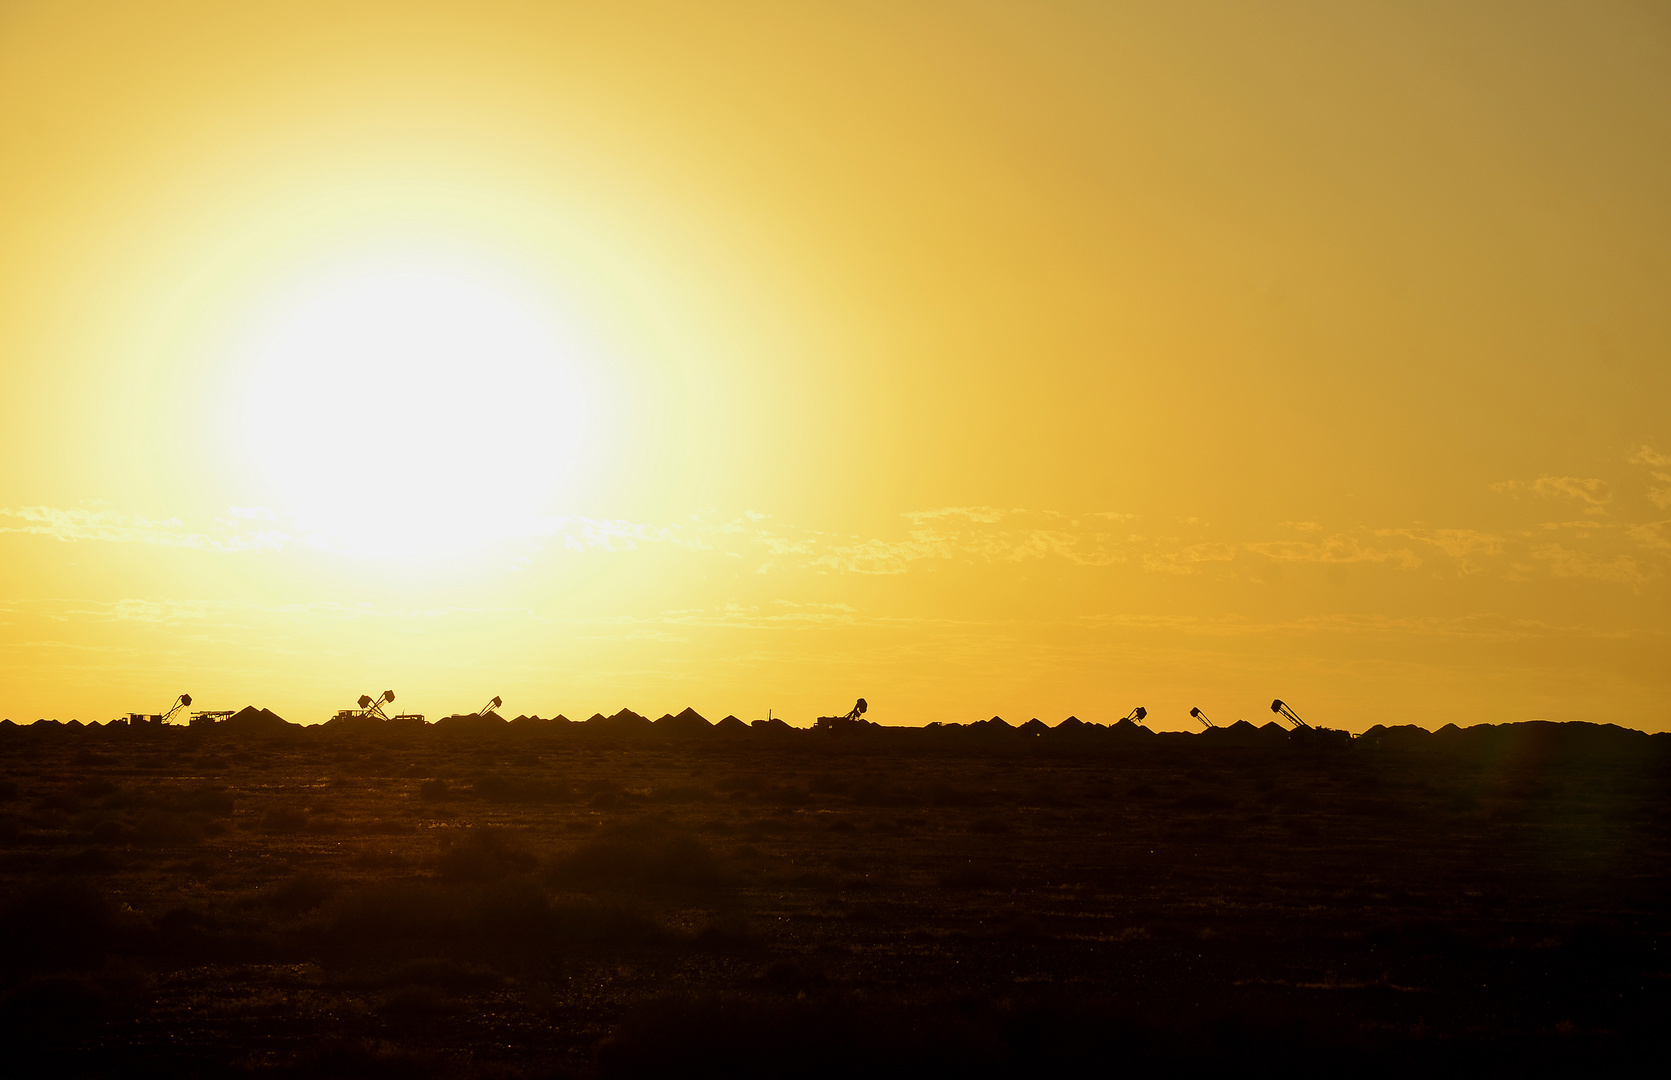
(187, 903)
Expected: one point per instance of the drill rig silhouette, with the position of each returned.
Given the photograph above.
(371, 713)
(159, 719)
(1305, 733)
(851, 720)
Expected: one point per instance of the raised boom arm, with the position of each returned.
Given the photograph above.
(1281, 709)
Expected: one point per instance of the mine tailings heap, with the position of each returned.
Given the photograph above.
(1530, 741)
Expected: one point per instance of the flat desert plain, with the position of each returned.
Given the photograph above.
(417, 903)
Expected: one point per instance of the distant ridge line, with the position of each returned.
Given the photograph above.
(1537, 737)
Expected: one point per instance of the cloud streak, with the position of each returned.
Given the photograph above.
(1340, 548)
(1566, 562)
(113, 527)
(1595, 494)
(1597, 548)
(1659, 493)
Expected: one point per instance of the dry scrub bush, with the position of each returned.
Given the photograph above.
(509, 920)
(442, 973)
(681, 794)
(500, 788)
(283, 820)
(59, 926)
(483, 853)
(87, 863)
(297, 895)
(971, 877)
(640, 857)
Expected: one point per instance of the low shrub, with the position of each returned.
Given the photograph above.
(112, 834)
(499, 788)
(511, 920)
(59, 926)
(484, 854)
(283, 820)
(442, 973)
(969, 876)
(652, 864)
(210, 800)
(679, 794)
(84, 863)
(298, 895)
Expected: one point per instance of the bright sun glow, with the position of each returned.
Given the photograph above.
(417, 407)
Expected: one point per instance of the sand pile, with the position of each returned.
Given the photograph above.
(687, 724)
(250, 720)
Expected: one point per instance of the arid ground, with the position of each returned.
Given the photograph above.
(189, 903)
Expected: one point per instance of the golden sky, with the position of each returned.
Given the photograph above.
(1027, 359)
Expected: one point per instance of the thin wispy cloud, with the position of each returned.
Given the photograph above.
(1566, 562)
(969, 535)
(1654, 535)
(1457, 543)
(171, 612)
(76, 525)
(1480, 626)
(1595, 494)
(1340, 548)
(1659, 492)
(975, 536)
(577, 533)
(1186, 560)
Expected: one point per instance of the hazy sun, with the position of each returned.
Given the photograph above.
(417, 406)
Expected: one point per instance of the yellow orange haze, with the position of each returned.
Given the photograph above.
(978, 358)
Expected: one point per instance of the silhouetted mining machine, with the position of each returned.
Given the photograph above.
(158, 719)
(1304, 732)
(1201, 716)
(1136, 716)
(490, 706)
(370, 710)
(210, 716)
(1281, 708)
(853, 718)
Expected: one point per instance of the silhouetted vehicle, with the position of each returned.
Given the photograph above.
(1304, 732)
(372, 711)
(1281, 708)
(368, 709)
(853, 718)
(138, 719)
(1201, 716)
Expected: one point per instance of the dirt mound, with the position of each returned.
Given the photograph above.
(534, 724)
(472, 723)
(687, 724)
(1241, 733)
(1398, 737)
(624, 724)
(349, 721)
(1543, 739)
(250, 720)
